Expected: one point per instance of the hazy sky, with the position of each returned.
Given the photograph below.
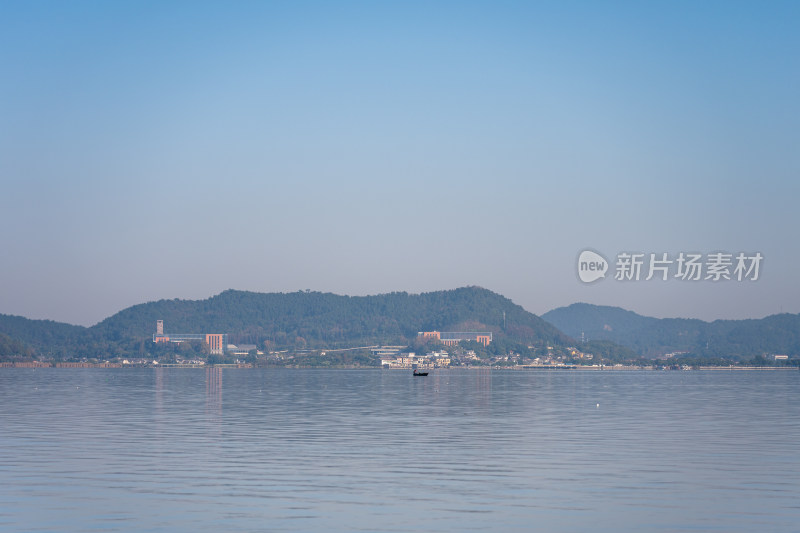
(178, 149)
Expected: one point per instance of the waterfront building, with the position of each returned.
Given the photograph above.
(217, 342)
(412, 360)
(243, 349)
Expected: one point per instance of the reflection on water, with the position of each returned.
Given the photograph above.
(214, 392)
(309, 450)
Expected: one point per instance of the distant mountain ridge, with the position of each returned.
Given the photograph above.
(308, 319)
(326, 319)
(42, 336)
(775, 334)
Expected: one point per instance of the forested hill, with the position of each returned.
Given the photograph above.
(289, 320)
(43, 337)
(776, 334)
(328, 320)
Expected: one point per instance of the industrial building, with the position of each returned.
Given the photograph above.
(217, 342)
(451, 338)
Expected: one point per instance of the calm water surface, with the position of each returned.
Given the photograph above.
(349, 450)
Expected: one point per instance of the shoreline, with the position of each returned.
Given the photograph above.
(580, 368)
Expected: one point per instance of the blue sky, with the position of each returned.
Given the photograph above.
(177, 149)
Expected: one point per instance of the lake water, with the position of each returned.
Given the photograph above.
(372, 450)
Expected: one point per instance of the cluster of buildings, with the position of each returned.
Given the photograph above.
(412, 360)
(217, 342)
(451, 338)
(577, 354)
(390, 355)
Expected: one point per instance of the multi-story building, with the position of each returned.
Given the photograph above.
(217, 342)
(451, 338)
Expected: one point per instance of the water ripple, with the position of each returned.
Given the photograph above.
(302, 450)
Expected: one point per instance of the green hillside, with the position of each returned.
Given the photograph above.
(12, 349)
(331, 320)
(44, 337)
(740, 339)
(291, 321)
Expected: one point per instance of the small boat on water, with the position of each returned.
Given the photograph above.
(416, 373)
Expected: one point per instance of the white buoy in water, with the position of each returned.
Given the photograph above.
(598, 405)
